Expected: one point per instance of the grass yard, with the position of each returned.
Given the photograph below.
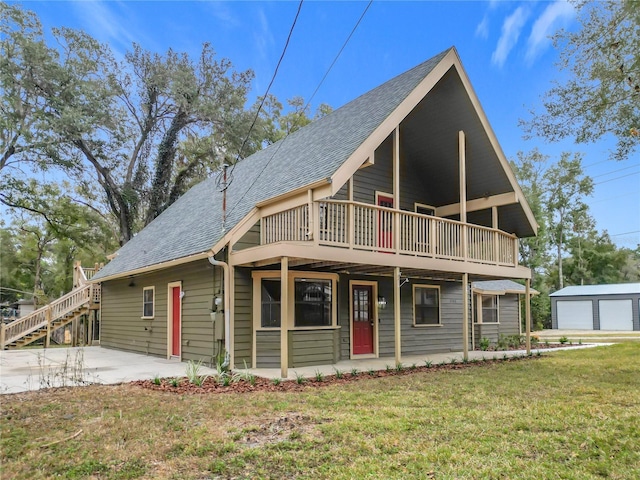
(572, 415)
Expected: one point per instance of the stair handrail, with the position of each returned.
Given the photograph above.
(39, 318)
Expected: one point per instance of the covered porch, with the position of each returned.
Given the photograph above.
(383, 295)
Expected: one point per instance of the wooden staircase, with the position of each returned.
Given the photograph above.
(39, 324)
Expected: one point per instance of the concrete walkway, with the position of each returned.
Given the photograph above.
(589, 336)
(364, 365)
(33, 369)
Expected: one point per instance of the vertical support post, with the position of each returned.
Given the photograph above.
(396, 189)
(315, 212)
(527, 292)
(397, 323)
(352, 221)
(284, 317)
(47, 339)
(91, 318)
(3, 335)
(494, 225)
(310, 227)
(463, 191)
(465, 316)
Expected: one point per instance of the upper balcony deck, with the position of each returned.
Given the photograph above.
(364, 227)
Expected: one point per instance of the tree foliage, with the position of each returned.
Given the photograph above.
(601, 95)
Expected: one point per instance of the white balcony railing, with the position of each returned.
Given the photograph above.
(369, 227)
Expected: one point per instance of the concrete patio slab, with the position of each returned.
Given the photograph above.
(33, 369)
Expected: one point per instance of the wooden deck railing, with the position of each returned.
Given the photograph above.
(369, 227)
(46, 315)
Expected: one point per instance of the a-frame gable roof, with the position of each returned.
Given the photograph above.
(331, 147)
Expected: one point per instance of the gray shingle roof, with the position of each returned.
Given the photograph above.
(193, 224)
(612, 289)
(501, 286)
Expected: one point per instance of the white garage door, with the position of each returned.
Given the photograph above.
(575, 314)
(616, 315)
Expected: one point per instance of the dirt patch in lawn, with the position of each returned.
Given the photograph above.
(245, 383)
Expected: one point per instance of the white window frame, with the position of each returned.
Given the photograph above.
(417, 205)
(257, 297)
(413, 300)
(153, 303)
(497, 297)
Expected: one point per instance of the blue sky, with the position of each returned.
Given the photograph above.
(503, 45)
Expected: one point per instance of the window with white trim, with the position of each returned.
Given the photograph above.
(489, 309)
(426, 305)
(313, 302)
(148, 302)
(271, 290)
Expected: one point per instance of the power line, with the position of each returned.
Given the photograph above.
(615, 171)
(264, 98)
(617, 178)
(625, 233)
(305, 107)
(635, 192)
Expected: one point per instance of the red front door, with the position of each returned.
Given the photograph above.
(385, 223)
(175, 323)
(362, 319)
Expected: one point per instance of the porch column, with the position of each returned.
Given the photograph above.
(284, 317)
(396, 188)
(527, 294)
(494, 225)
(465, 316)
(396, 314)
(463, 191)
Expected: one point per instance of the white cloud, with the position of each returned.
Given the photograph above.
(556, 15)
(511, 29)
(482, 30)
(109, 22)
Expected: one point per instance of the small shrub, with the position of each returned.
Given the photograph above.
(563, 340)
(413, 367)
(174, 382)
(475, 360)
(388, 368)
(339, 373)
(300, 378)
(276, 381)
(372, 372)
(580, 342)
(484, 344)
(157, 380)
(354, 372)
(538, 353)
(454, 360)
(505, 356)
(224, 379)
(546, 343)
(319, 376)
(465, 360)
(428, 363)
(503, 342)
(535, 340)
(193, 373)
(399, 367)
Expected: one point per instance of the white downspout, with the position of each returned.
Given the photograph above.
(227, 304)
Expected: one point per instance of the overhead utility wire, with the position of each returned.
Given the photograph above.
(616, 171)
(305, 107)
(617, 178)
(625, 233)
(264, 98)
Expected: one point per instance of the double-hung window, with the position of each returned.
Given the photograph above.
(489, 309)
(148, 302)
(426, 305)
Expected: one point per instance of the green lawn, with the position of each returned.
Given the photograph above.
(572, 415)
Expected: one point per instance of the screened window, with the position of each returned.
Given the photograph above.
(148, 297)
(313, 303)
(271, 290)
(426, 305)
(489, 309)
